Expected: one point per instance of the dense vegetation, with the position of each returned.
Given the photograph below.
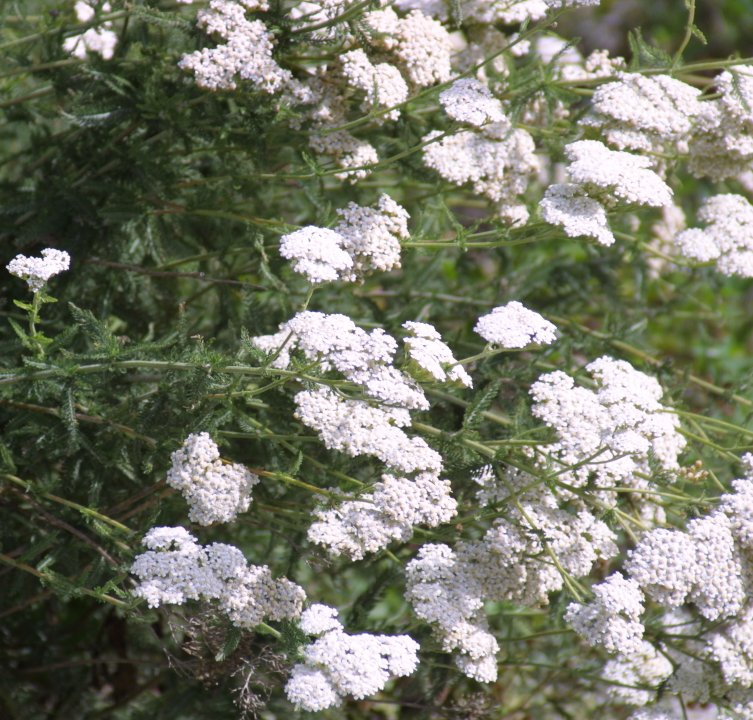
(199, 206)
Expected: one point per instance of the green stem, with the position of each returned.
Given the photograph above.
(41, 67)
(36, 305)
(705, 441)
(50, 579)
(487, 414)
(290, 480)
(269, 630)
(714, 421)
(27, 486)
(41, 92)
(478, 447)
(160, 365)
(488, 354)
(690, 4)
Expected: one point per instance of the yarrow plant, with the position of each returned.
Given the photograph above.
(38, 270)
(397, 363)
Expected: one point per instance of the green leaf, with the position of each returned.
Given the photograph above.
(645, 54)
(96, 331)
(20, 332)
(68, 416)
(24, 306)
(698, 34)
(41, 339)
(230, 645)
(156, 17)
(474, 414)
(296, 465)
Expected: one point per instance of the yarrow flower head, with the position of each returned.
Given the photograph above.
(498, 165)
(425, 347)
(215, 491)
(38, 270)
(469, 101)
(247, 53)
(612, 619)
(448, 587)
(99, 40)
(727, 238)
(515, 326)
(373, 520)
(364, 240)
(176, 569)
(372, 235)
(721, 143)
(357, 428)
(382, 84)
(336, 342)
(568, 206)
(620, 425)
(645, 113)
(316, 253)
(337, 665)
(419, 44)
(614, 176)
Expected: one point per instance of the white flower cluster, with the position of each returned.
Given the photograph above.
(176, 569)
(356, 427)
(316, 253)
(490, 12)
(568, 205)
(662, 116)
(335, 342)
(418, 44)
(613, 176)
(371, 236)
(99, 40)
(497, 159)
(510, 563)
(600, 178)
(438, 587)
(387, 513)
(568, 64)
(365, 239)
(702, 566)
(415, 494)
(382, 84)
(38, 270)
(425, 347)
(708, 565)
(337, 665)
(246, 53)
(607, 435)
(650, 113)
(350, 153)
(612, 619)
(721, 145)
(469, 101)
(417, 49)
(515, 326)
(634, 678)
(727, 239)
(393, 506)
(215, 491)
